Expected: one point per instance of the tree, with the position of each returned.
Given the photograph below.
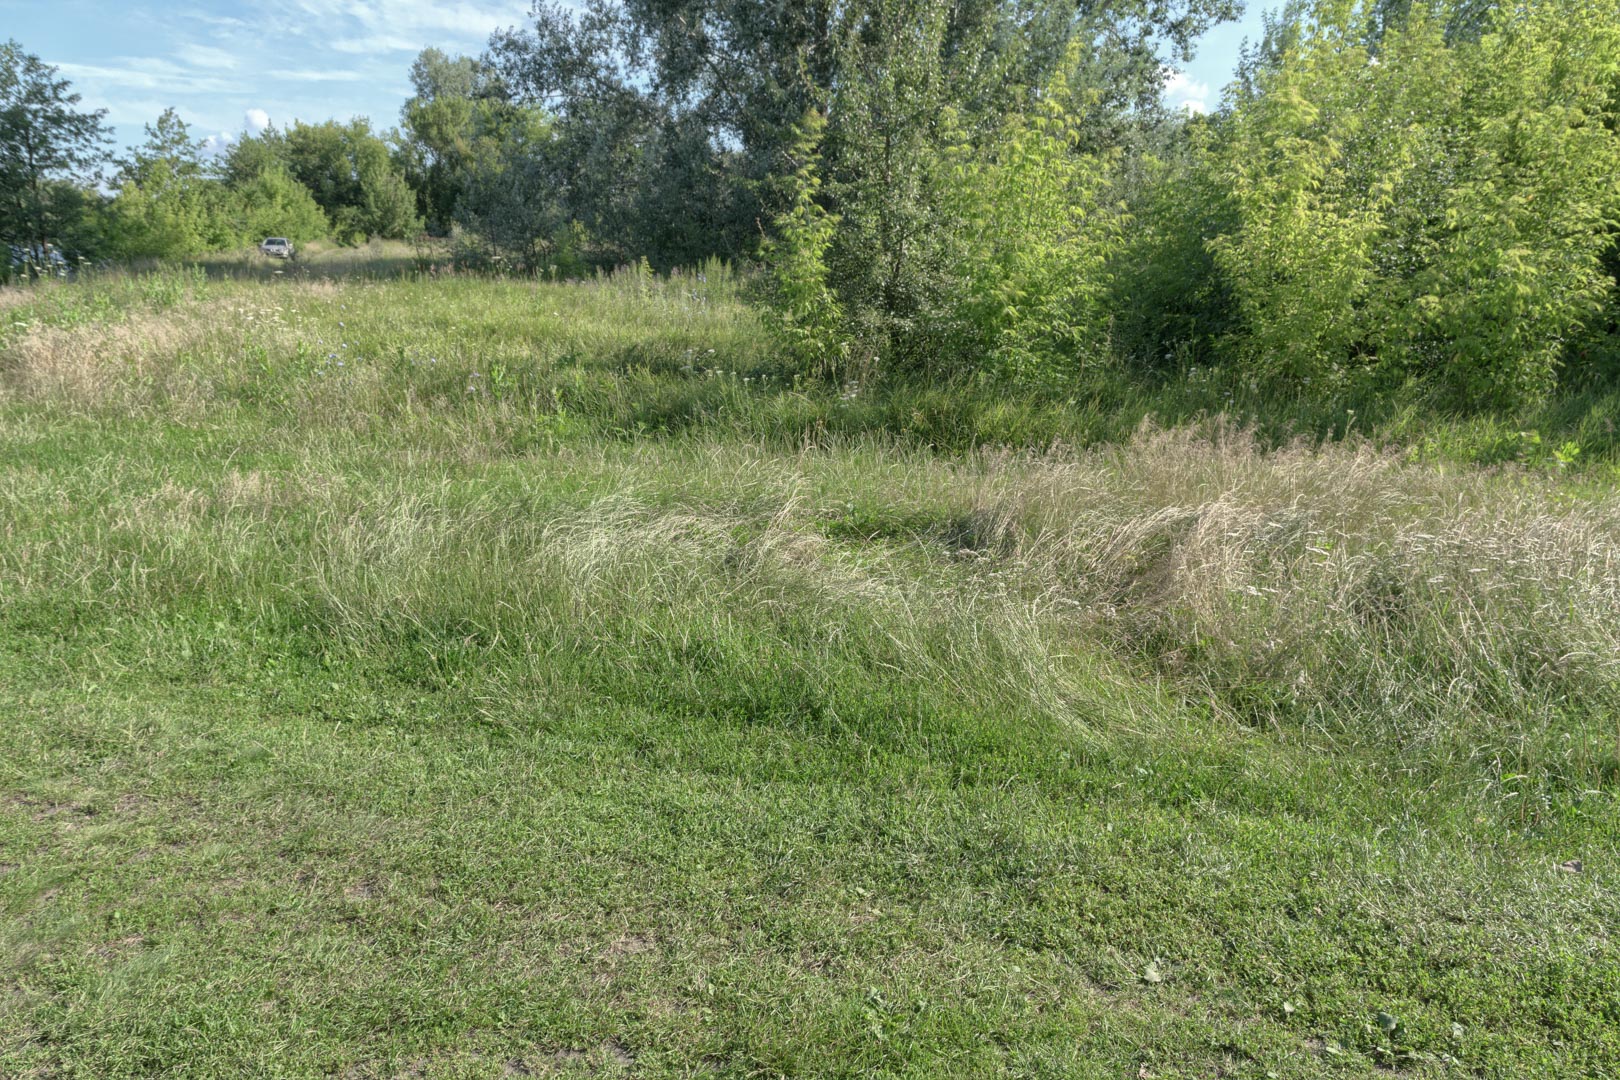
(509, 200)
(250, 156)
(272, 203)
(169, 149)
(167, 206)
(348, 170)
(459, 110)
(897, 130)
(694, 103)
(1029, 287)
(46, 145)
(1436, 213)
(809, 321)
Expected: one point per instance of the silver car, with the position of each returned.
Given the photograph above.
(277, 247)
(40, 260)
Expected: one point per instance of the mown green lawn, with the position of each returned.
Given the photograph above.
(539, 693)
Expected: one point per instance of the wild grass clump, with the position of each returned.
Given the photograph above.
(1336, 589)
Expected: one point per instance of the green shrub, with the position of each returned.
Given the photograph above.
(1434, 211)
(809, 319)
(1029, 286)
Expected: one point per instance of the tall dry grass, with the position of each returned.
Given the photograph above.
(1339, 593)
(1336, 587)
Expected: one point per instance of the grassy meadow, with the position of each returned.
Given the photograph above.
(439, 677)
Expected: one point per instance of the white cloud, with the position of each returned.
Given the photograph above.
(411, 19)
(145, 73)
(316, 75)
(206, 56)
(216, 145)
(1184, 93)
(286, 58)
(380, 27)
(371, 44)
(208, 19)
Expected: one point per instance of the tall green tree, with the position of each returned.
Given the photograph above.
(167, 206)
(349, 170)
(663, 104)
(48, 148)
(272, 203)
(893, 146)
(509, 199)
(458, 111)
(252, 155)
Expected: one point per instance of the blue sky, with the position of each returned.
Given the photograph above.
(233, 65)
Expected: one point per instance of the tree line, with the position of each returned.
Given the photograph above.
(61, 187)
(1392, 193)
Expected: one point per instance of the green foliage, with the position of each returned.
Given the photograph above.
(808, 317)
(509, 201)
(1520, 272)
(459, 111)
(439, 125)
(387, 206)
(1031, 279)
(251, 155)
(349, 171)
(1298, 262)
(49, 152)
(1393, 198)
(1170, 305)
(955, 241)
(166, 207)
(1436, 212)
(272, 203)
(162, 219)
(893, 121)
(486, 168)
(674, 115)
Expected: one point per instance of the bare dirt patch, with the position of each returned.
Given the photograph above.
(631, 945)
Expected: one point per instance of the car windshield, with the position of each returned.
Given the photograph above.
(276, 241)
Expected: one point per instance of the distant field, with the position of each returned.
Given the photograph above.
(452, 678)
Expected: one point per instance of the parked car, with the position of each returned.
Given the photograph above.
(277, 247)
(42, 261)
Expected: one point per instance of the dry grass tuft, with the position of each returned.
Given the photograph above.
(15, 297)
(173, 358)
(1337, 586)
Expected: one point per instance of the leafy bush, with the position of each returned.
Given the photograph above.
(1431, 211)
(1036, 239)
(809, 319)
(272, 203)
